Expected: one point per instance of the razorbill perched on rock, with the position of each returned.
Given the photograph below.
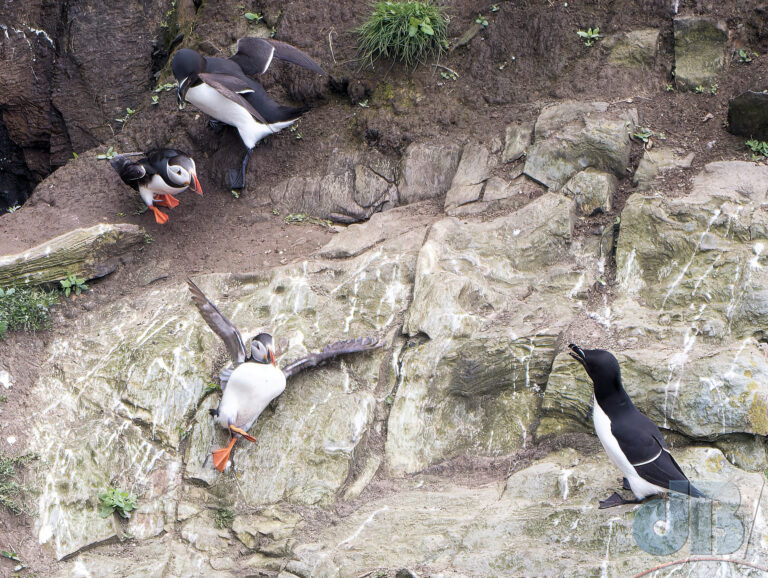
(222, 89)
(255, 380)
(631, 440)
(158, 175)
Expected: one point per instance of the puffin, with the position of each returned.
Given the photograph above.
(222, 89)
(158, 175)
(254, 379)
(632, 441)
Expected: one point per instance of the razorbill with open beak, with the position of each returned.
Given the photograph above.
(159, 175)
(222, 89)
(631, 440)
(255, 380)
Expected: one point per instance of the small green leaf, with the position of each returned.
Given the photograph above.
(412, 30)
(253, 16)
(427, 29)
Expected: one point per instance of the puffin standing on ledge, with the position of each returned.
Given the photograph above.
(159, 175)
(631, 440)
(255, 380)
(222, 89)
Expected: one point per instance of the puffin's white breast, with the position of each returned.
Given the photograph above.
(250, 389)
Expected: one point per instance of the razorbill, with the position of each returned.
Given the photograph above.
(222, 89)
(158, 175)
(631, 440)
(254, 380)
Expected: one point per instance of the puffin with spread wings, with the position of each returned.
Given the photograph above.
(254, 380)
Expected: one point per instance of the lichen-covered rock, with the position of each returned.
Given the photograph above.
(704, 395)
(427, 171)
(659, 160)
(544, 521)
(491, 297)
(517, 139)
(571, 137)
(592, 190)
(146, 378)
(471, 174)
(699, 51)
(634, 49)
(352, 188)
(697, 261)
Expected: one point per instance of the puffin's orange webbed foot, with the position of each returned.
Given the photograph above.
(165, 200)
(160, 217)
(243, 433)
(221, 456)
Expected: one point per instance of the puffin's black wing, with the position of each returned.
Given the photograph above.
(233, 88)
(331, 351)
(220, 325)
(130, 171)
(254, 55)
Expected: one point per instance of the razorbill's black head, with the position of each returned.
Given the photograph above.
(186, 65)
(632, 441)
(602, 367)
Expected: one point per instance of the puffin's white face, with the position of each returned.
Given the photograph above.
(179, 175)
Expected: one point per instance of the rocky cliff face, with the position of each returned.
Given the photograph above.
(476, 244)
(471, 312)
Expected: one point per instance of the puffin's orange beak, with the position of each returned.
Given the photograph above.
(197, 188)
(272, 358)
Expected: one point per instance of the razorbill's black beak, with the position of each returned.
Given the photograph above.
(577, 353)
(180, 93)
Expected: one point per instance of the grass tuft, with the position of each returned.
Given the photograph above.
(407, 31)
(10, 488)
(25, 308)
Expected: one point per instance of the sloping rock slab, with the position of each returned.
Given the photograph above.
(87, 253)
(699, 51)
(571, 137)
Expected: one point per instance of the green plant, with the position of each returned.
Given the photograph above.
(406, 31)
(449, 75)
(296, 132)
(114, 500)
(211, 387)
(129, 112)
(110, 154)
(590, 35)
(165, 87)
(699, 89)
(253, 16)
(745, 55)
(235, 193)
(363, 103)
(223, 518)
(73, 284)
(25, 308)
(481, 20)
(494, 7)
(3, 398)
(13, 208)
(713, 89)
(759, 149)
(10, 488)
(155, 99)
(305, 218)
(669, 87)
(642, 134)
